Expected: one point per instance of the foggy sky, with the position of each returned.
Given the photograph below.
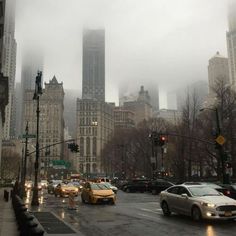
(168, 41)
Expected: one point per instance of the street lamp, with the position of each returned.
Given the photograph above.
(220, 147)
(37, 93)
(154, 139)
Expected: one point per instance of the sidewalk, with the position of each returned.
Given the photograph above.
(8, 224)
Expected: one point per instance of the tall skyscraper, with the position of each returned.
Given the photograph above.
(9, 63)
(3, 80)
(231, 42)
(217, 70)
(95, 117)
(94, 65)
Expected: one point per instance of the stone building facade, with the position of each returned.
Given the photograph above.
(51, 120)
(95, 126)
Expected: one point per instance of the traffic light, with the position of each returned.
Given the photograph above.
(73, 147)
(162, 140)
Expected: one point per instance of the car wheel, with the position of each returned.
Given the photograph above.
(165, 209)
(196, 214)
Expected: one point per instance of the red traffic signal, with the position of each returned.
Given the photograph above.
(162, 140)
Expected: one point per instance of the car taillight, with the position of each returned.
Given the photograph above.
(227, 192)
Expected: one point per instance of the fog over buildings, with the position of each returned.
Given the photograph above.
(167, 43)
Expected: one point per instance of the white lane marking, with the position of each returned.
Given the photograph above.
(153, 211)
(147, 216)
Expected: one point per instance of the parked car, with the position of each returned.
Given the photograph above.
(136, 186)
(231, 188)
(64, 190)
(158, 185)
(97, 193)
(197, 201)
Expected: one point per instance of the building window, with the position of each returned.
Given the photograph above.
(94, 146)
(88, 146)
(87, 168)
(94, 168)
(81, 146)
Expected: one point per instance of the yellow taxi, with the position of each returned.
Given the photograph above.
(64, 190)
(97, 193)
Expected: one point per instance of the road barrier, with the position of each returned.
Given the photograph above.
(27, 223)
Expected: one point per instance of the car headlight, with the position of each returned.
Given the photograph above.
(211, 205)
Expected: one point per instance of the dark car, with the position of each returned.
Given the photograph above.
(136, 186)
(231, 190)
(156, 186)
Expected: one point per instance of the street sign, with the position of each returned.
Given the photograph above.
(220, 140)
(29, 136)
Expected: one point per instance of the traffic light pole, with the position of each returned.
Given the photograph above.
(162, 162)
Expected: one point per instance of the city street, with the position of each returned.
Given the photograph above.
(134, 214)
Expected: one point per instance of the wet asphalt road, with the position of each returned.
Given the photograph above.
(135, 214)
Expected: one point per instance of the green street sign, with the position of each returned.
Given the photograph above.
(29, 136)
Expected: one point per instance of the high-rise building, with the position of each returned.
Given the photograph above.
(141, 107)
(95, 117)
(153, 91)
(231, 42)
(3, 80)
(177, 99)
(9, 63)
(218, 70)
(51, 119)
(93, 65)
(70, 110)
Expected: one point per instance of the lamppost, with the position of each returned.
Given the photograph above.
(154, 139)
(24, 162)
(37, 93)
(219, 146)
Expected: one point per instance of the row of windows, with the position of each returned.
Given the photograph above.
(87, 145)
(88, 131)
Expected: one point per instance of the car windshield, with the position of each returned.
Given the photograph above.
(99, 186)
(107, 184)
(203, 191)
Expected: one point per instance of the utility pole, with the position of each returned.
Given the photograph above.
(221, 151)
(25, 159)
(219, 141)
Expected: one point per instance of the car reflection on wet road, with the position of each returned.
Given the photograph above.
(134, 214)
